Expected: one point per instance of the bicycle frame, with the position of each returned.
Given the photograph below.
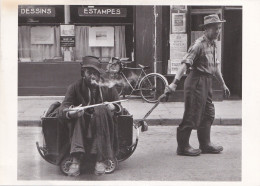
(136, 86)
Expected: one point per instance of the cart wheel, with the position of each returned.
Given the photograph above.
(111, 165)
(126, 152)
(65, 165)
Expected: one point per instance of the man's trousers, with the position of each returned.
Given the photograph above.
(199, 109)
(103, 131)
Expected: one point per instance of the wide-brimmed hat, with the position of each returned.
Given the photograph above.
(92, 62)
(211, 19)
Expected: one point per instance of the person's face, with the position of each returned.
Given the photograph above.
(213, 31)
(92, 76)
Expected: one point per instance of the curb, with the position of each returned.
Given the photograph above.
(176, 122)
(151, 122)
(29, 123)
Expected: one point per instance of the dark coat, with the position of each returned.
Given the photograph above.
(77, 93)
(104, 121)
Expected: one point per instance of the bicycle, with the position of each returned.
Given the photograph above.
(151, 85)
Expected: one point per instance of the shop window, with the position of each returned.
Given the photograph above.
(42, 44)
(40, 38)
(38, 43)
(84, 42)
(38, 32)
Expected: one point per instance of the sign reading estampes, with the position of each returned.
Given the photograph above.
(36, 11)
(102, 12)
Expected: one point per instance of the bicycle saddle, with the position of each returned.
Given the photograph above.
(144, 67)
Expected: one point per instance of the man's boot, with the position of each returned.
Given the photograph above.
(184, 147)
(205, 144)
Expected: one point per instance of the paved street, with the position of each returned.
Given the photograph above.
(154, 158)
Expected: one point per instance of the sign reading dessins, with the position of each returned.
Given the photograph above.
(102, 11)
(36, 11)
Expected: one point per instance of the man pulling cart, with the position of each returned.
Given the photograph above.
(199, 112)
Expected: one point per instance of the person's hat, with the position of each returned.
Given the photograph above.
(92, 62)
(211, 19)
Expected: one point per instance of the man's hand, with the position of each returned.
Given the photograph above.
(226, 91)
(75, 113)
(170, 89)
(110, 106)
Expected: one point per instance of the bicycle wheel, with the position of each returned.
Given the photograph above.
(152, 87)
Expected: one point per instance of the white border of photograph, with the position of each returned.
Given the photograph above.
(250, 102)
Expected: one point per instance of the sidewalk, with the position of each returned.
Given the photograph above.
(31, 108)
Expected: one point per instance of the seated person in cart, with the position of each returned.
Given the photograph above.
(97, 124)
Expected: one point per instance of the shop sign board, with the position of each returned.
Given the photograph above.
(178, 49)
(178, 22)
(102, 12)
(179, 7)
(67, 41)
(178, 42)
(176, 54)
(173, 66)
(67, 35)
(36, 11)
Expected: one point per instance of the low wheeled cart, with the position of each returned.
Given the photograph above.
(56, 146)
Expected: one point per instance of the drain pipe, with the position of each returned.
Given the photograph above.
(67, 14)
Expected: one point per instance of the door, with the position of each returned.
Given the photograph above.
(232, 66)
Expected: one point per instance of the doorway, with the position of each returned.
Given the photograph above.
(232, 65)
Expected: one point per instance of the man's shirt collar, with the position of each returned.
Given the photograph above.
(210, 43)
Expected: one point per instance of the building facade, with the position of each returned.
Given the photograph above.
(53, 39)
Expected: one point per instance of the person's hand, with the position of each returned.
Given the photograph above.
(170, 89)
(226, 91)
(110, 106)
(75, 113)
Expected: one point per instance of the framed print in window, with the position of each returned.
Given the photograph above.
(42, 35)
(67, 30)
(101, 36)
